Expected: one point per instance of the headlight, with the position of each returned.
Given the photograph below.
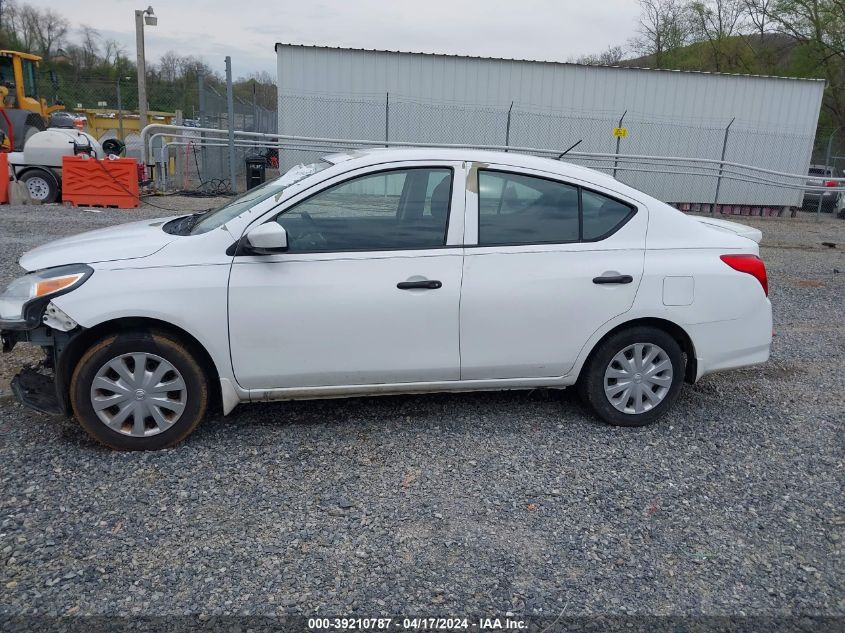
(22, 295)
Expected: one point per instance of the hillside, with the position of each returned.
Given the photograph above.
(771, 54)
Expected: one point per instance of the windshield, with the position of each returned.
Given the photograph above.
(233, 209)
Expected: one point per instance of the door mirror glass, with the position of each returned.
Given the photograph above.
(268, 238)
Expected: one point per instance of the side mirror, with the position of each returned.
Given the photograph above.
(268, 238)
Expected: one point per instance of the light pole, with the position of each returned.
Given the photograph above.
(145, 16)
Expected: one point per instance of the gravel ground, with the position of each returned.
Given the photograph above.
(451, 504)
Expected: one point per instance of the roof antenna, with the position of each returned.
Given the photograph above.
(570, 148)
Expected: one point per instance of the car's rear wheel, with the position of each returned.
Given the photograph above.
(633, 377)
(139, 391)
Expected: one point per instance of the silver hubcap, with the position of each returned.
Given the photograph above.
(638, 378)
(38, 188)
(138, 394)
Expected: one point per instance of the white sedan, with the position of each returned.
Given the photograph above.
(382, 272)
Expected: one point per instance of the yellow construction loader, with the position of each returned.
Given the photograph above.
(24, 109)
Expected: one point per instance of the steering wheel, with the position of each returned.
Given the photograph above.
(307, 216)
(311, 238)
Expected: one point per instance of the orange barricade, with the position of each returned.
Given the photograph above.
(100, 183)
(4, 178)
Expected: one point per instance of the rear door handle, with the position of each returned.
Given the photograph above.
(613, 279)
(425, 284)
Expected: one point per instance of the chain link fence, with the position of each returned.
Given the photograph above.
(375, 117)
(193, 160)
(205, 161)
(109, 109)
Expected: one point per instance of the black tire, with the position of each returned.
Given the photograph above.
(591, 385)
(43, 184)
(162, 345)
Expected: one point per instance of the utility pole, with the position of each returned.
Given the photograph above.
(230, 106)
(203, 123)
(119, 112)
(826, 165)
(145, 16)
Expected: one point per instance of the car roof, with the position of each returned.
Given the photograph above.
(364, 157)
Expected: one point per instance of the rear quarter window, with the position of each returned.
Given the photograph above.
(602, 215)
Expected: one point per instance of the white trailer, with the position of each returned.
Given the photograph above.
(39, 165)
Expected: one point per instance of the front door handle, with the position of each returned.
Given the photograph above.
(613, 279)
(425, 284)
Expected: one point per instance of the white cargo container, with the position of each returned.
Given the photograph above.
(418, 97)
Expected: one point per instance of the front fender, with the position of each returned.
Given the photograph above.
(190, 298)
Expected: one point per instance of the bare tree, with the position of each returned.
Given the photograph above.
(261, 77)
(663, 27)
(609, 57)
(175, 67)
(90, 46)
(192, 66)
(113, 51)
(715, 22)
(8, 16)
(49, 29)
(765, 49)
(169, 66)
(24, 21)
(759, 14)
(75, 55)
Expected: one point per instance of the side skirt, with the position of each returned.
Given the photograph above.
(347, 391)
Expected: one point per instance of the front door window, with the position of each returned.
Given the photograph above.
(390, 210)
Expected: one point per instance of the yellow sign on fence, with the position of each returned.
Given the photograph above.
(620, 132)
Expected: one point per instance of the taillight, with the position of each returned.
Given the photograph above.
(830, 183)
(750, 264)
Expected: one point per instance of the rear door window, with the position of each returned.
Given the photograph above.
(518, 209)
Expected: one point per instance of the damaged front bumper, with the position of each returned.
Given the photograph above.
(37, 391)
(41, 387)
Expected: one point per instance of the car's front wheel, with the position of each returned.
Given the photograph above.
(139, 391)
(633, 377)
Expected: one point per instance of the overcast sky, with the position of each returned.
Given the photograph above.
(248, 29)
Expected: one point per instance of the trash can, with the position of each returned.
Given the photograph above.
(256, 171)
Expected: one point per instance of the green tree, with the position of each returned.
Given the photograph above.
(819, 28)
(716, 22)
(663, 28)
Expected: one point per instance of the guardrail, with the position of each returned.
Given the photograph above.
(682, 165)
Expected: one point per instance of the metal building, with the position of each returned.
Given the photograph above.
(769, 122)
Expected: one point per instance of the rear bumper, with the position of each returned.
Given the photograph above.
(723, 345)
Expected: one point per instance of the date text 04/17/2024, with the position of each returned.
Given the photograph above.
(416, 624)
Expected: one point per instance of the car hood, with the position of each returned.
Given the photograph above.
(732, 227)
(125, 241)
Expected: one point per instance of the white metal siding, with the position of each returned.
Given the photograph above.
(439, 98)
